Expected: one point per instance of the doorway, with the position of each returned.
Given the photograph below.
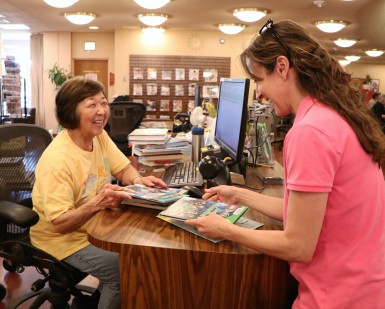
(95, 69)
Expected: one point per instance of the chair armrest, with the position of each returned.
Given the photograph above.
(18, 214)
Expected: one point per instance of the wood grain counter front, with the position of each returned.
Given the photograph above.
(163, 266)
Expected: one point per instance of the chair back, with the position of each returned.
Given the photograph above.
(125, 117)
(21, 146)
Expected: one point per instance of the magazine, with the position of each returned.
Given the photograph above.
(192, 208)
(242, 222)
(158, 195)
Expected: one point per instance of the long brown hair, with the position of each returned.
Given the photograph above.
(321, 76)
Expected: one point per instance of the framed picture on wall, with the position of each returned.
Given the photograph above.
(138, 73)
(179, 74)
(152, 73)
(375, 85)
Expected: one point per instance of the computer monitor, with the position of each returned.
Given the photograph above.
(232, 109)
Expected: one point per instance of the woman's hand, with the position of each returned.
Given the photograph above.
(224, 194)
(110, 196)
(150, 181)
(213, 225)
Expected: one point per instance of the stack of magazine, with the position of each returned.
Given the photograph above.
(151, 197)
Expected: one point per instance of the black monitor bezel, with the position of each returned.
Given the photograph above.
(235, 154)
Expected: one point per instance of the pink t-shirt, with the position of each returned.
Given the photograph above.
(322, 154)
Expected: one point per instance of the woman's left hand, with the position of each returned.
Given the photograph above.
(151, 181)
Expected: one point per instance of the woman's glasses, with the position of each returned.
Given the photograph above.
(269, 25)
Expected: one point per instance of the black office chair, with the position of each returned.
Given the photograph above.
(21, 146)
(125, 117)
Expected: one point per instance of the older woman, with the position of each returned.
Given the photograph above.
(334, 200)
(73, 183)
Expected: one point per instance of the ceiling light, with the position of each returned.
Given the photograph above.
(14, 27)
(344, 62)
(60, 3)
(153, 30)
(374, 52)
(80, 18)
(352, 57)
(345, 42)
(93, 27)
(152, 4)
(249, 14)
(330, 26)
(151, 19)
(231, 28)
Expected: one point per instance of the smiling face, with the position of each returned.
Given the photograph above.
(93, 113)
(273, 86)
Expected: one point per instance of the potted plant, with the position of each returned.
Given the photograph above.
(58, 75)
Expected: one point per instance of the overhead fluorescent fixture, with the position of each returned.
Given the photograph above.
(231, 28)
(152, 19)
(344, 42)
(249, 14)
(352, 57)
(14, 27)
(330, 26)
(61, 3)
(93, 27)
(80, 18)
(374, 52)
(152, 4)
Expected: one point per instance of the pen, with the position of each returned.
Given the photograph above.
(264, 165)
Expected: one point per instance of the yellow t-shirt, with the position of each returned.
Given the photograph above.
(66, 178)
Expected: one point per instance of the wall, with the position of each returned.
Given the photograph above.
(362, 70)
(117, 46)
(57, 49)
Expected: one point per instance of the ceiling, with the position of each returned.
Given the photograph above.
(365, 18)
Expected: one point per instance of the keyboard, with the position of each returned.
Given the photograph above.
(183, 174)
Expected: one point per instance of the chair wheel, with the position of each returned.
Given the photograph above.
(9, 267)
(3, 291)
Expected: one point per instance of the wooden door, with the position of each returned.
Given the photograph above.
(97, 67)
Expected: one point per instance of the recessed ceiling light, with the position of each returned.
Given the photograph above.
(344, 42)
(153, 30)
(249, 14)
(60, 3)
(152, 19)
(152, 4)
(330, 26)
(352, 57)
(344, 62)
(93, 27)
(374, 52)
(231, 28)
(80, 18)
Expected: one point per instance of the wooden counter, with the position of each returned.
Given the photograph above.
(163, 266)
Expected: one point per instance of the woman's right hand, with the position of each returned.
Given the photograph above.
(224, 194)
(110, 196)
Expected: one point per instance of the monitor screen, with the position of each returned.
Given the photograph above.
(230, 128)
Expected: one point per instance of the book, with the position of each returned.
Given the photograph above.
(162, 157)
(158, 195)
(191, 208)
(242, 222)
(148, 134)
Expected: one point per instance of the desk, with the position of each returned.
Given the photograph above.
(163, 266)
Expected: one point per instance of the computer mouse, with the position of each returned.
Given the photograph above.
(193, 191)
